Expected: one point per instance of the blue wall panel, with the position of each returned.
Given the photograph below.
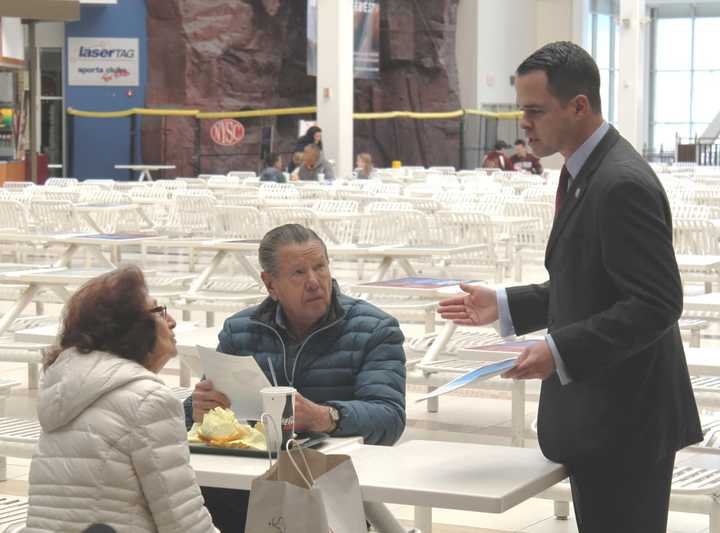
(99, 144)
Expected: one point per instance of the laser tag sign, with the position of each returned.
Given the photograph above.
(103, 61)
(227, 132)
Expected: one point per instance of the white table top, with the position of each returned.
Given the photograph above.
(232, 245)
(685, 261)
(52, 276)
(46, 334)
(106, 238)
(233, 472)
(703, 302)
(145, 167)
(421, 287)
(451, 475)
(703, 361)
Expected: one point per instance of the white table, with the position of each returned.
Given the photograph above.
(425, 474)
(88, 211)
(708, 302)
(388, 254)
(708, 265)
(95, 242)
(187, 336)
(144, 170)
(53, 279)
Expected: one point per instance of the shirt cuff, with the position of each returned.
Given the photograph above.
(504, 319)
(559, 363)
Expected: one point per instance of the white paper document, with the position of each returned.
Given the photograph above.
(237, 377)
(484, 372)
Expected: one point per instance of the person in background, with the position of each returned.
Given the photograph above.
(314, 164)
(524, 160)
(113, 447)
(344, 356)
(497, 158)
(365, 169)
(313, 135)
(296, 161)
(273, 169)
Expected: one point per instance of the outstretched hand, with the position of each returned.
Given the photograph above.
(477, 307)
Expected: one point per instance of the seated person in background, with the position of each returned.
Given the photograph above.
(343, 356)
(524, 160)
(497, 158)
(365, 169)
(296, 161)
(114, 447)
(273, 169)
(314, 164)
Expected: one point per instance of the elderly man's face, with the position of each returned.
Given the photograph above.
(310, 156)
(303, 284)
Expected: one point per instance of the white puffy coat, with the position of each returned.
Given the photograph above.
(113, 450)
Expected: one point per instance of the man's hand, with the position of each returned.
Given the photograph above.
(310, 416)
(205, 398)
(476, 308)
(535, 362)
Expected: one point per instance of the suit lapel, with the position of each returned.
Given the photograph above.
(577, 190)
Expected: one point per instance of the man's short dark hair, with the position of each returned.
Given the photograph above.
(271, 159)
(520, 142)
(570, 71)
(500, 145)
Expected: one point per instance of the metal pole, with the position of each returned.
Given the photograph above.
(33, 110)
(462, 142)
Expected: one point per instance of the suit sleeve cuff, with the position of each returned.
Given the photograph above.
(504, 319)
(559, 363)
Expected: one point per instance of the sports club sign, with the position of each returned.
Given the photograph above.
(103, 62)
(227, 132)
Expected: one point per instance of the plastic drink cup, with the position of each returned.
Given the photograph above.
(279, 403)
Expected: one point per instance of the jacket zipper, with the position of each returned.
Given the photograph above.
(297, 356)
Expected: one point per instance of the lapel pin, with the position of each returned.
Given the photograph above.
(577, 193)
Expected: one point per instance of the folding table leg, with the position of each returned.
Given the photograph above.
(11, 314)
(423, 519)
(381, 518)
(518, 413)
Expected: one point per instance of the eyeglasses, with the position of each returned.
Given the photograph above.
(159, 309)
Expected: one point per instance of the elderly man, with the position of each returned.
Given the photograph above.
(313, 164)
(343, 356)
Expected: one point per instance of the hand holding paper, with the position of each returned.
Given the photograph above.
(535, 362)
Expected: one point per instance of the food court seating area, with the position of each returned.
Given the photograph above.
(196, 239)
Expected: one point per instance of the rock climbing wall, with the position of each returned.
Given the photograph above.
(234, 55)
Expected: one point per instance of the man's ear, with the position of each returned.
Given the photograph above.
(268, 281)
(582, 105)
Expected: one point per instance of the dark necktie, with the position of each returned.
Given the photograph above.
(562, 189)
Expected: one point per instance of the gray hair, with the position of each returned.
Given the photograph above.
(283, 236)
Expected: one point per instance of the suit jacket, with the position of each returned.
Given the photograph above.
(612, 305)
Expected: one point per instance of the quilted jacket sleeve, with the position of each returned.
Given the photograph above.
(378, 411)
(161, 459)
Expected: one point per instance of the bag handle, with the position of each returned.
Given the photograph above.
(278, 435)
(297, 447)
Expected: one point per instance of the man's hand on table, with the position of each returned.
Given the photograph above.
(310, 416)
(535, 362)
(205, 398)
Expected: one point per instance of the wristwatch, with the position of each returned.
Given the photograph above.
(334, 418)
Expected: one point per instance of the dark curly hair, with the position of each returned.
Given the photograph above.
(108, 313)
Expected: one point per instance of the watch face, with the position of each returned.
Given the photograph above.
(334, 414)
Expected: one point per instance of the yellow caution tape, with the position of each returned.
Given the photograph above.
(512, 115)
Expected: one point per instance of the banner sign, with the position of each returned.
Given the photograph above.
(366, 39)
(227, 132)
(104, 62)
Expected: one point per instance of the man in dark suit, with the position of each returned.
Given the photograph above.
(616, 402)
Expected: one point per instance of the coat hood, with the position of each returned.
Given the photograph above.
(76, 380)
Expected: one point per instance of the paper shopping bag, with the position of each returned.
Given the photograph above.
(306, 491)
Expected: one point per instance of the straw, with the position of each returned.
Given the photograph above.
(272, 372)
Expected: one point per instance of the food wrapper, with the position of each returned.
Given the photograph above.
(221, 429)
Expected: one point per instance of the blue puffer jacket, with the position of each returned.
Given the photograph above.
(356, 364)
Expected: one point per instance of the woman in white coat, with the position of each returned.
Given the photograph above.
(113, 448)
